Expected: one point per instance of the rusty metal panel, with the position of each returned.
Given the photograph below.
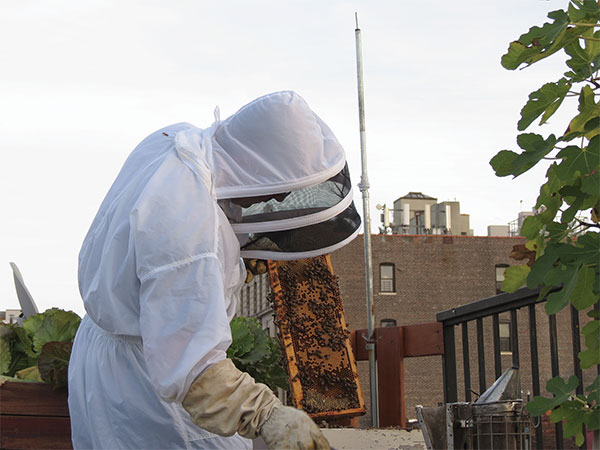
(425, 339)
(390, 376)
(359, 345)
(318, 350)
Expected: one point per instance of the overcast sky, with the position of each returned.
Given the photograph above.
(81, 83)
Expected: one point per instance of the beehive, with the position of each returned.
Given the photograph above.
(310, 320)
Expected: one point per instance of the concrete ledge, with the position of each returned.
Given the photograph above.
(372, 439)
(379, 439)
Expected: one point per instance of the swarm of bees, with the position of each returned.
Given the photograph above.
(254, 267)
(310, 321)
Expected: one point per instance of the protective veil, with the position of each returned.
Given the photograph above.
(160, 268)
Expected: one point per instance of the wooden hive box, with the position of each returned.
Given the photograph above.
(317, 346)
(34, 416)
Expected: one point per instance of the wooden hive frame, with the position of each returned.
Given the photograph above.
(312, 328)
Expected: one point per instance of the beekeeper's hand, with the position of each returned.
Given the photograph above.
(290, 428)
(224, 400)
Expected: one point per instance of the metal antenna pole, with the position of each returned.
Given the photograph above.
(364, 188)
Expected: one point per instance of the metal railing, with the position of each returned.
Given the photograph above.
(509, 304)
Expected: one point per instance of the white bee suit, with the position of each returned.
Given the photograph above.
(160, 268)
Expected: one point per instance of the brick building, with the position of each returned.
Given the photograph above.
(414, 278)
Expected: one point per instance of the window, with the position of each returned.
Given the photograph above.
(387, 279)
(500, 268)
(505, 342)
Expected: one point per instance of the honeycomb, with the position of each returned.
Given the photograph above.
(309, 316)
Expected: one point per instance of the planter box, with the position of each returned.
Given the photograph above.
(34, 416)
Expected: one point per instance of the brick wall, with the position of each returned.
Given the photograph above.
(433, 273)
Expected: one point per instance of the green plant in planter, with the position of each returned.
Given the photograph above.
(253, 351)
(40, 349)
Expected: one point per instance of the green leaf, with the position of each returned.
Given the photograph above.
(53, 363)
(589, 358)
(537, 244)
(592, 125)
(566, 411)
(574, 427)
(559, 299)
(254, 352)
(591, 331)
(515, 277)
(586, 251)
(536, 147)
(594, 398)
(542, 266)
(594, 314)
(5, 356)
(507, 162)
(588, 10)
(502, 163)
(584, 60)
(24, 342)
(549, 199)
(560, 389)
(588, 110)
(545, 100)
(31, 373)
(556, 231)
(33, 323)
(56, 325)
(593, 419)
(531, 227)
(574, 197)
(583, 296)
(572, 415)
(590, 183)
(579, 161)
(15, 337)
(538, 42)
(540, 405)
(544, 291)
(242, 338)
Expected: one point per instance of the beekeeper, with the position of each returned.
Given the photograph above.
(160, 273)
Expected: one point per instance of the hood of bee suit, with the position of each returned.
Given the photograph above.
(277, 144)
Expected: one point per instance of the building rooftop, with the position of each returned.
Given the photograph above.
(418, 195)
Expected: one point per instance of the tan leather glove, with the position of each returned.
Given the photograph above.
(290, 428)
(224, 400)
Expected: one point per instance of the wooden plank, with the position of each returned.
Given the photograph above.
(424, 339)
(35, 399)
(31, 432)
(390, 376)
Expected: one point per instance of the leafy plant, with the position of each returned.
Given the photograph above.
(40, 349)
(564, 233)
(253, 351)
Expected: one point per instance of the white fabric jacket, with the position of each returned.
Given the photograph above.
(160, 269)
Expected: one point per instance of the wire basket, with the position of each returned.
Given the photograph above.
(500, 425)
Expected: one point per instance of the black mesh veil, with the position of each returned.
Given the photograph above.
(309, 239)
(301, 203)
(301, 223)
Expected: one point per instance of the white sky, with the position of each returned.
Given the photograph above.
(81, 83)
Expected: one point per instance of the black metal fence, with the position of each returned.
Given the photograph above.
(480, 312)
